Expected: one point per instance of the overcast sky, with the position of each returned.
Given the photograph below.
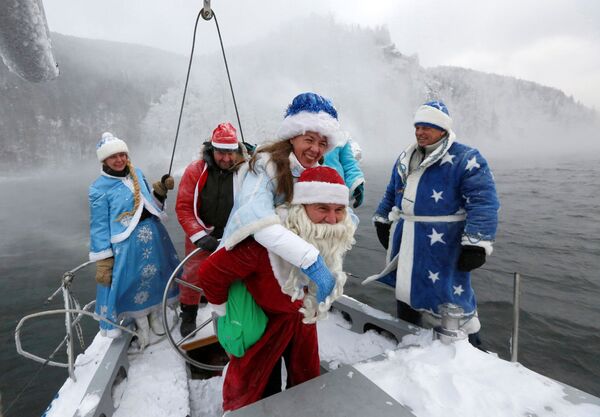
(552, 42)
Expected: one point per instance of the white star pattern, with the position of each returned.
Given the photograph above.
(458, 290)
(146, 253)
(472, 163)
(433, 277)
(448, 158)
(437, 195)
(435, 236)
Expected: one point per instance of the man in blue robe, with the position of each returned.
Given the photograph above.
(437, 219)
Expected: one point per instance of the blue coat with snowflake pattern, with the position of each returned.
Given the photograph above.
(144, 256)
(448, 201)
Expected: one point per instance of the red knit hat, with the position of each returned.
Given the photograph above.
(320, 185)
(224, 137)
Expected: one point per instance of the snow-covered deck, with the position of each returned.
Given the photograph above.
(430, 378)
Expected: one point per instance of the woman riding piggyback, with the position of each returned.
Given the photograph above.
(309, 130)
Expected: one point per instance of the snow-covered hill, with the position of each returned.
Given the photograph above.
(376, 89)
(136, 92)
(102, 86)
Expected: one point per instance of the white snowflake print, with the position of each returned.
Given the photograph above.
(149, 271)
(144, 234)
(125, 221)
(103, 310)
(146, 253)
(141, 297)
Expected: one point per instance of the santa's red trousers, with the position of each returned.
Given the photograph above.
(248, 376)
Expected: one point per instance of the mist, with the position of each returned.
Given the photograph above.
(135, 92)
(376, 89)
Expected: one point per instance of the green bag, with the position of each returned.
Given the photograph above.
(244, 322)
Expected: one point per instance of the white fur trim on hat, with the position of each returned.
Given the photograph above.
(310, 192)
(321, 122)
(221, 145)
(433, 116)
(110, 145)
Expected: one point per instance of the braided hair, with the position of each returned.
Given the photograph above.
(136, 192)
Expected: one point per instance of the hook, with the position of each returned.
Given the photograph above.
(207, 13)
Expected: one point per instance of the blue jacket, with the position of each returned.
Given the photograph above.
(254, 205)
(448, 201)
(109, 197)
(342, 159)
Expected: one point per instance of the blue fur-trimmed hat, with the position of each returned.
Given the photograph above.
(310, 112)
(434, 114)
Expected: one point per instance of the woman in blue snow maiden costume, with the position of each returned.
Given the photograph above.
(132, 249)
(309, 129)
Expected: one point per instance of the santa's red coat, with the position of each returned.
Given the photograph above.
(247, 376)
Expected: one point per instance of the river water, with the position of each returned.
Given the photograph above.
(548, 232)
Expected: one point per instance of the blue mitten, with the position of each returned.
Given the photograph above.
(320, 275)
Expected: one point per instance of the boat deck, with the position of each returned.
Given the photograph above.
(368, 373)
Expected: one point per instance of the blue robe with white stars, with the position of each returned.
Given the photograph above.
(448, 201)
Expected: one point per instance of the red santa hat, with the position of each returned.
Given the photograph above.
(320, 185)
(224, 137)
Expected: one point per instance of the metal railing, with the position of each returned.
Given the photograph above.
(514, 346)
(73, 315)
(516, 301)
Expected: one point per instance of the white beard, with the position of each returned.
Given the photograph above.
(332, 241)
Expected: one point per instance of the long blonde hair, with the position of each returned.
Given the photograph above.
(136, 192)
(280, 156)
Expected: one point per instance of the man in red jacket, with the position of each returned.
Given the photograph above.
(317, 214)
(204, 200)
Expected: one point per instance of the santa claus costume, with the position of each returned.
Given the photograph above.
(274, 284)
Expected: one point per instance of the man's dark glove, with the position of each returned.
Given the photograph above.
(249, 147)
(208, 243)
(471, 257)
(358, 195)
(383, 233)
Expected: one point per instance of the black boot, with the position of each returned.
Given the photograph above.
(188, 318)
